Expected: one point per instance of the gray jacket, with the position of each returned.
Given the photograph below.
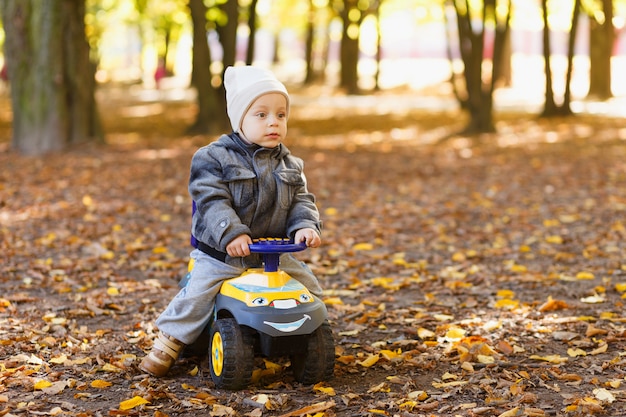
(247, 189)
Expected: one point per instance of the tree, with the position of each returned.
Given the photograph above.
(51, 75)
(477, 95)
(550, 106)
(602, 37)
(252, 17)
(209, 103)
(352, 13)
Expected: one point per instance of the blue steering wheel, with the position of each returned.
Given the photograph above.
(272, 248)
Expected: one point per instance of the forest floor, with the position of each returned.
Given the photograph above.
(463, 276)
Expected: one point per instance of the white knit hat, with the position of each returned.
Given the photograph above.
(244, 84)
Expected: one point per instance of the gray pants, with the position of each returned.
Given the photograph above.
(192, 308)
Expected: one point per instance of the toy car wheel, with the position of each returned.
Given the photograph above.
(231, 359)
(318, 362)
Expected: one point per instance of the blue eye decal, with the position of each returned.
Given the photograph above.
(260, 301)
(305, 298)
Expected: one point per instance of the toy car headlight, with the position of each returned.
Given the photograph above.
(305, 298)
(260, 301)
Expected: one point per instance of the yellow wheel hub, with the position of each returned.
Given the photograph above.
(217, 354)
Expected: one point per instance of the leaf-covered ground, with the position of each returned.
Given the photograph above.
(464, 277)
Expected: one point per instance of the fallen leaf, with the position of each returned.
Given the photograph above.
(550, 358)
(99, 383)
(311, 409)
(604, 395)
(132, 403)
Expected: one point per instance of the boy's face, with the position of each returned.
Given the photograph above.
(265, 122)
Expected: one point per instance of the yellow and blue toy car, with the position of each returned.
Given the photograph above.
(267, 312)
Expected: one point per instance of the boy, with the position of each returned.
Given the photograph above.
(246, 185)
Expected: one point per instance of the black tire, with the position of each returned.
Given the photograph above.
(231, 359)
(317, 363)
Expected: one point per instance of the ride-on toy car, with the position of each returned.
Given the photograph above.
(267, 312)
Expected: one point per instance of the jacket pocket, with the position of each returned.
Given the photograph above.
(289, 181)
(241, 184)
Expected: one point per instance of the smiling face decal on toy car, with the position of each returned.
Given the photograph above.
(288, 327)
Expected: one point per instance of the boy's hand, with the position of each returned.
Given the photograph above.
(308, 236)
(239, 246)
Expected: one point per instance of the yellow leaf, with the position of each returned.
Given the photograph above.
(333, 301)
(459, 257)
(194, 371)
(331, 211)
(408, 405)
(485, 359)
(87, 201)
(506, 304)
(549, 358)
(584, 275)
(616, 383)
(423, 333)
(323, 389)
(110, 368)
(518, 268)
(159, 249)
(620, 287)
(510, 413)
(594, 299)
(418, 395)
(576, 352)
(455, 333)
(370, 361)
(59, 359)
(385, 282)
(363, 246)
(99, 383)
(601, 349)
(41, 384)
(382, 387)
(272, 365)
(505, 294)
(113, 291)
(448, 376)
(556, 239)
(132, 403)
(389, 354)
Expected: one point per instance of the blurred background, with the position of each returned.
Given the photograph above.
(473, 52)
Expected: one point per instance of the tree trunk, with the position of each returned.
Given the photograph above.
(479, 101)
(565, 108)
(549, 105)
(602, 38)
(228, 32)
(208, 103)
(308, 45)
(349, 56)
(51, 75)
(252, 37)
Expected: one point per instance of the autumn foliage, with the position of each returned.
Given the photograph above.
(463, 276)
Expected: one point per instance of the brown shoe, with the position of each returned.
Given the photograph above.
(164, 353)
